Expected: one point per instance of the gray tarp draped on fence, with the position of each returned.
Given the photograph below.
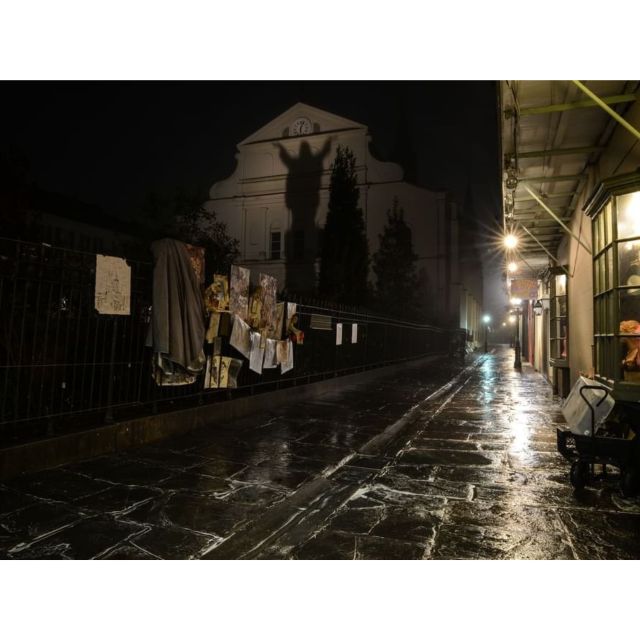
(177, 327)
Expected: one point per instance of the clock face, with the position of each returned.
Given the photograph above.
(301, 127)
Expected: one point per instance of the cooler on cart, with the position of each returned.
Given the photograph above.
(591, 438)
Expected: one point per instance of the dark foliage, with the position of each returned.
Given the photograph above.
(394, 265)
(345, 252)
(184, 218)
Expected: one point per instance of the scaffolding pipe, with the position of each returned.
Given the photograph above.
(614, 114)
(555, 217)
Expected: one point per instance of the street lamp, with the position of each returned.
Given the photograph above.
(516, 302)
(511, 241)
(486, 319)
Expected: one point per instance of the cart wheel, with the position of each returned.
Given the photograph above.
(629, 483)
(579, 474)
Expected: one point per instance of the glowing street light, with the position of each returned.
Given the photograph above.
(511, 241)
(512, 267)
(486, 319)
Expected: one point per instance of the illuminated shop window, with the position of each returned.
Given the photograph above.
(615, 212)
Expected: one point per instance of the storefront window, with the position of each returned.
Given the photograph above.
(615, 211)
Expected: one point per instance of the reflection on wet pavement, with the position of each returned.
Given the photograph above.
(472, 474)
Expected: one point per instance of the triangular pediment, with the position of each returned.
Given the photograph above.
(322, 121)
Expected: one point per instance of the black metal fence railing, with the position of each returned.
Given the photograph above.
(62, 364)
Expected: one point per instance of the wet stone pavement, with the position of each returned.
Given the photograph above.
(379, 470)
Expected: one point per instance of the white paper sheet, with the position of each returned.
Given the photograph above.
(241, 336)
(256, 356)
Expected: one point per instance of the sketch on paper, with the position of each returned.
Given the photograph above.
(270, 360)
(257, 352)
(211, 376)
(286, 356)
(339, 333)
(354, 334)
(233, 369)
(113, 286)
(241, 336)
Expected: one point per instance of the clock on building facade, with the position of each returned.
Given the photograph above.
(301, 127)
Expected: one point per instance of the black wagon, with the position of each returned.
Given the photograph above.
(610, 446)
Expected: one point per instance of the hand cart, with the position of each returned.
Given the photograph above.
(586, 451)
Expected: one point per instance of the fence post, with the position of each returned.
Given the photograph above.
(108, 417)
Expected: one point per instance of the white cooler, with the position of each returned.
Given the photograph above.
(577, 413)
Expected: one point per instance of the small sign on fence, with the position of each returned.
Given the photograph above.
(323, 323)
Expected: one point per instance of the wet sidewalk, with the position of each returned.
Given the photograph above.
(377, 470)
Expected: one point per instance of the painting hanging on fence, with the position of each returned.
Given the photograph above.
(196, 258)
(113, 286)
(214, 327)
(255, 308)
(216, 295)
(239, 297)
(339, 333)
(269, 286)
(285, 355)
(295, 334)
(354, 334)
(212, 373)
(292, 310)
(275, 330)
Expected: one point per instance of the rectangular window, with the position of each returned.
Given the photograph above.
(559, 320)
(275, 245)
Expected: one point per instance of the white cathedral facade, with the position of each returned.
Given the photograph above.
(275, 203)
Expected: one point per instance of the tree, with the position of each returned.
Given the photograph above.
(344, 265)
(394, 265)
(184, 218)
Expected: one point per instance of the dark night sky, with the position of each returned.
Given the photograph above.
(110, 143)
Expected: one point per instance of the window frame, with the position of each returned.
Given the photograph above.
(608, 291)
(273, 234)
(555, 319)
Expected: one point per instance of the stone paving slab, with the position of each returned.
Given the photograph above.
(371, 472)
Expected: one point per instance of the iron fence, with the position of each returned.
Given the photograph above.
(62, 364)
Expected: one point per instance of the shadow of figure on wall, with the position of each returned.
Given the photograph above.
(302, 197)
